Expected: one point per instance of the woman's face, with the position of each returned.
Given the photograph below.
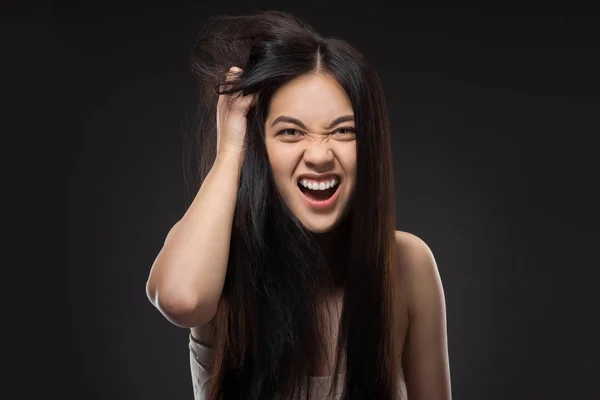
(311, 142)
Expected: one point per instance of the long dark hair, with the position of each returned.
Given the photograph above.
(267, 334)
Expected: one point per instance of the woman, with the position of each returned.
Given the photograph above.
(286, 265)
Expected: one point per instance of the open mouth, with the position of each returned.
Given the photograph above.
(319, 191)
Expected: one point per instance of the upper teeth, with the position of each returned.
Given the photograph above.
(314, 185)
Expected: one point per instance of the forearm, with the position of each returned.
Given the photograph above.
(187, 277)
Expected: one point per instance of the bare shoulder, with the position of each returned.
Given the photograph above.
(425, 358)
(413, 252)
(417, 268)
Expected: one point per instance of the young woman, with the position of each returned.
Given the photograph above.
(287, 266)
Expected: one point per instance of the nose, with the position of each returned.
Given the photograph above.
(319, 154)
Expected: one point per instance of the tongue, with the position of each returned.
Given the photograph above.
(319, 195)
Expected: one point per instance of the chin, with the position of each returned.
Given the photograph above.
(319, 229)
(316, 226)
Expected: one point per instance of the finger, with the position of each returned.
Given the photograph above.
(232, 74)
(245, 103)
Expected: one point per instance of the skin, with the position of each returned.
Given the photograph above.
(311, 144)
(420, 308)
(302, 136)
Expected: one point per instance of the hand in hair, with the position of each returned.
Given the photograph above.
(231, 117)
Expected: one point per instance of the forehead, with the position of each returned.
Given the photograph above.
(317, 97)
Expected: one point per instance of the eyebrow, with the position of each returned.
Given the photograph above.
(295, 121)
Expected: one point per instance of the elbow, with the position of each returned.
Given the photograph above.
(182, 313)
(182, 310)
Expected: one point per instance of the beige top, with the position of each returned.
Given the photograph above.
(200, 356)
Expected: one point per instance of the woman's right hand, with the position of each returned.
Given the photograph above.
(231, 119)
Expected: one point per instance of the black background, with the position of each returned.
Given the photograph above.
(494, 113)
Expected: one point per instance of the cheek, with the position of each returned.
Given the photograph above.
(282, 164)
(349, 162)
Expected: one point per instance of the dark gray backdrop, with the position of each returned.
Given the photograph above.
(492, 112)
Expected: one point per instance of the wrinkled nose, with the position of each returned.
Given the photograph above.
(319, 155)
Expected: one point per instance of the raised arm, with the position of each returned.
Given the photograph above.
(187, 277)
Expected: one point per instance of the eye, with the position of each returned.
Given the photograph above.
(346, 130)
(289, 132)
